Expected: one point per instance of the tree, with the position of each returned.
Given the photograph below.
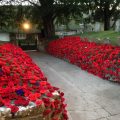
(11, 17)
(104, 10)
(108, 9)
(5, 16)
(48, 10)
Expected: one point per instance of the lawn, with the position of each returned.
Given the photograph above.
(111, 35)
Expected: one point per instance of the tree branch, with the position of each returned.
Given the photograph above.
(36, 5)
(114, 7)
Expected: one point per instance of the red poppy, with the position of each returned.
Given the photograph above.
(22, 81)
(14, 109)
(39, 102)
(99, 59)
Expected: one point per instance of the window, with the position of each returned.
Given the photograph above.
(21, 36)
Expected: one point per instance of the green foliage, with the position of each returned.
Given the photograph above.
(5, 16)
(44, 12)
(11, 17)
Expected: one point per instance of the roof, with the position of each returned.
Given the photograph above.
(16, 30)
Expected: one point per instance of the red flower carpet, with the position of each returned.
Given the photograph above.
(99, 59)
(22, 84)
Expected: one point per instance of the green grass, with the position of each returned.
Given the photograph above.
(112, 35)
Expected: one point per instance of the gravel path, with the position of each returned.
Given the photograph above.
(88, 97)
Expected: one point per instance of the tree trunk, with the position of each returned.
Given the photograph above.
(49, 29)
(106, 17)
(106, 23)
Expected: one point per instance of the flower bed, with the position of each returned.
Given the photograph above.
(99, 59)
(25, 93)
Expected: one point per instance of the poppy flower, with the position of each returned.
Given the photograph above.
(22, 82)
(101, 60)
(39, 102)
(14, 109)
(20, 92)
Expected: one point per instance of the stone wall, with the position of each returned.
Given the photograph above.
(4, 37)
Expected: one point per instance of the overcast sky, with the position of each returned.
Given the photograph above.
(17, 2)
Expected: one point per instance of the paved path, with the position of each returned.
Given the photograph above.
(88, 97)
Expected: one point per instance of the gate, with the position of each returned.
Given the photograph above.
(28, 44)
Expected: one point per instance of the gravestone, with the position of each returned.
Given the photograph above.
(72, 25)
(117, 26)
(81, 29)
(90, 27)
(97, 27)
